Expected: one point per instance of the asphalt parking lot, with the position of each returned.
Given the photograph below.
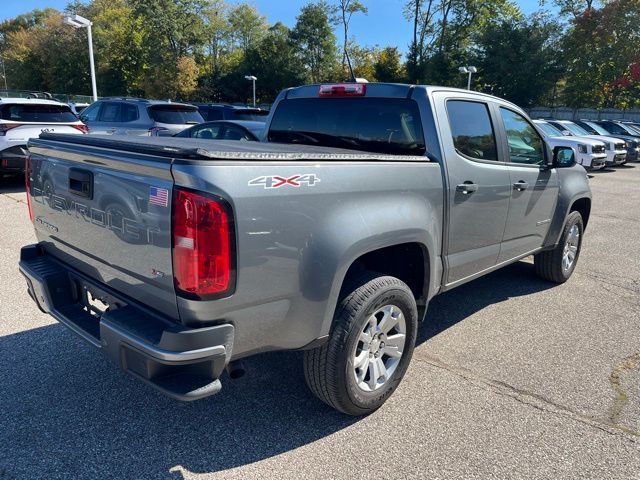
(513, 377)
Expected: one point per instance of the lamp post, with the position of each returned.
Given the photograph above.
(76, 21)
(253, 80)
(4, 74)
(470, 70)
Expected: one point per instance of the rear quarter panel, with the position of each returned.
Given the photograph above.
(295, 244)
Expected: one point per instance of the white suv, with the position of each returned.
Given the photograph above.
(589, 153)
(25, 118)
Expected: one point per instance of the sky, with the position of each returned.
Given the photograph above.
(384, 25)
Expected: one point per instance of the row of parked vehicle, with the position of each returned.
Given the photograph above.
(24, 118)
(596, 144)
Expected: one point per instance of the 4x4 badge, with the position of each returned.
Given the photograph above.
(277, 181)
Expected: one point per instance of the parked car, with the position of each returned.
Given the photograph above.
(295, 245)
(590, 153)
(221, 111)
(78, 107)
(633, 125)
(225, 130)
(616, 148)
(632, 141)
(21, 119)
(136, 116)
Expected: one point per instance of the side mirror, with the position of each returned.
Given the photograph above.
(566, 133)
(563, 157)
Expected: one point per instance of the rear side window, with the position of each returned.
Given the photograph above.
(129, 112)
(33, 112)
(110, 112)
(377, 125)
(175, 114)
(471, 129)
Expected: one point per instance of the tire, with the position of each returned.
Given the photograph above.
(330, 370)
(549, 264)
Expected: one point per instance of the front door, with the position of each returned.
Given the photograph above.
(479, 184)
(534, 190)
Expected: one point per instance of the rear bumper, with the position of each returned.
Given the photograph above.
(184, 363)
(13, 159)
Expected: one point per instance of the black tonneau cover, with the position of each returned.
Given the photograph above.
(198, 149)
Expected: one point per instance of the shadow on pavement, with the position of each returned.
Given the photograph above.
(68, 413)
(13, 184)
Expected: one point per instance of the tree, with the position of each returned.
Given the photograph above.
(315, 41)
(346, 9)
(275, 63)
(388, 66)
(518, 60)
(248, 27)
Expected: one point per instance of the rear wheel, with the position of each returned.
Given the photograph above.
(369, 347)
(558, 264)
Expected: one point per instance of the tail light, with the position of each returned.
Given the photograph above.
(203, 245)
(343, 90)
(5, 127)
(27, 184)
(82, 127)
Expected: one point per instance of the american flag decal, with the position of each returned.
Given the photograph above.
(158, 196)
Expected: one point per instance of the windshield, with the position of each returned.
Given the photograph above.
(175, 114)
(575, 129)
(598, 128)
(378, 125)
(549, 129)
(33, 112)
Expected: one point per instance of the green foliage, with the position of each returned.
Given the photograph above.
(519, 60)
(315, 41)
(202, 49)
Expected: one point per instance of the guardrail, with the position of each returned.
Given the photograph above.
(567, 113)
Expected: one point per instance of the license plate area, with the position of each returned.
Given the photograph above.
(94, 300)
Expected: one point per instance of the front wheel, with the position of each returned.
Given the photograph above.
(369, 348)
(558, 264)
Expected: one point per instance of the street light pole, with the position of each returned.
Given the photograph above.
(253, 81)
(470, 70)
(76, 21)
(4, 74)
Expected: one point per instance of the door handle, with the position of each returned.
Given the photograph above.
(467, 187)
(520, 186)
(111, 130)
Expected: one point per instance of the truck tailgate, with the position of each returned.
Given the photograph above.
(107, 213)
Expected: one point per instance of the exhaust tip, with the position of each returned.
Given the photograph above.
(235, 369)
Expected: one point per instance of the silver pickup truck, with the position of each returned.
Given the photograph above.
(178, 257)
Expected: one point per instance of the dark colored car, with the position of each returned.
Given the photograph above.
(218, 111)
(225, 130)
(612, 129)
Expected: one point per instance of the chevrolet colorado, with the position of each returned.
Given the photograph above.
(177, 257)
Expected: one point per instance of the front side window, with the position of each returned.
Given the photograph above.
(236, 133)
(525, 144)
(471, 129)
(90, 114)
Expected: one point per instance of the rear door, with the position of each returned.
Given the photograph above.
(534, 190)
(108, 214)
(479, 184)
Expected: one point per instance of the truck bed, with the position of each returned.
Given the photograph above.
(199, 149)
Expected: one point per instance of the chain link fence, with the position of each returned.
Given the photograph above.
(61, 97)
(566, 113)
